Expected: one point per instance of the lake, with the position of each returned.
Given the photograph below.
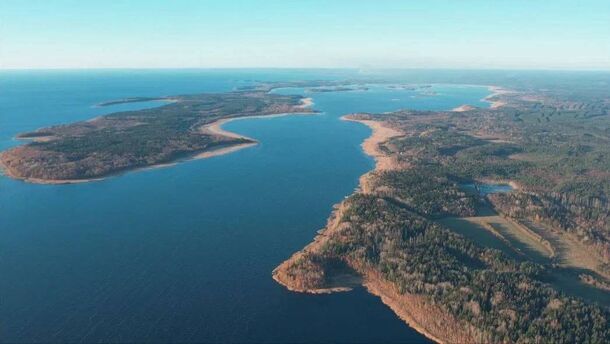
(484, 189)
(185, 253)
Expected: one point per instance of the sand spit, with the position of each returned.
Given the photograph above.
(222, 151)
(215, 128)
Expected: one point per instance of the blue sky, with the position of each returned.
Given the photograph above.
(539, 34)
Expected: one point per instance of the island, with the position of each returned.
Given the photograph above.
(527, 263)
(184, 128)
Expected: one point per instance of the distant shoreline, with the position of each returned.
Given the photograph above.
(493, 104)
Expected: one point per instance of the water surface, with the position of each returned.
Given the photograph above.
(185, 253)
(488, 188)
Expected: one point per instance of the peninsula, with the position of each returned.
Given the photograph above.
(184, 128)
(464, 267)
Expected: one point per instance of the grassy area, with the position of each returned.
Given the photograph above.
(522, 242)
(477, 230)
(570, 253)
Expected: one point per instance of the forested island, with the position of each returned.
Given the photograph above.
(527, 266)
(129, 140)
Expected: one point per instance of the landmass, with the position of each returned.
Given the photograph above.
(186, 128)
(528, 265)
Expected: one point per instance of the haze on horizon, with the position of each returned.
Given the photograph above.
(519, 34)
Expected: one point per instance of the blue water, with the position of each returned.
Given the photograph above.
(185, 253)
(486, 189)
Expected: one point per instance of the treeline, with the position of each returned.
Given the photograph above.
(427, 191)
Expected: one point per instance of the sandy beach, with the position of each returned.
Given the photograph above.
(370, 146)
(222, 151)
(463, 108)
(215, 128)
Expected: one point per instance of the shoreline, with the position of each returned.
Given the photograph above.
(409, 307)
(463, 108)
(493, 104)
(215, 128)
(380, 134)
(370, 147)
(320, 291)
(401, 304)
(376, 287)
(4, 170)
(318, 241)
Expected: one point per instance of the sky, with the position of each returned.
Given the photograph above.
(492, 34)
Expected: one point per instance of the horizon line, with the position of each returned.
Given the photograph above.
(523, 69)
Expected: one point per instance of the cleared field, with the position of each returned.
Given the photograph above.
(503, 234)
(570, 253)
(569, 261)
